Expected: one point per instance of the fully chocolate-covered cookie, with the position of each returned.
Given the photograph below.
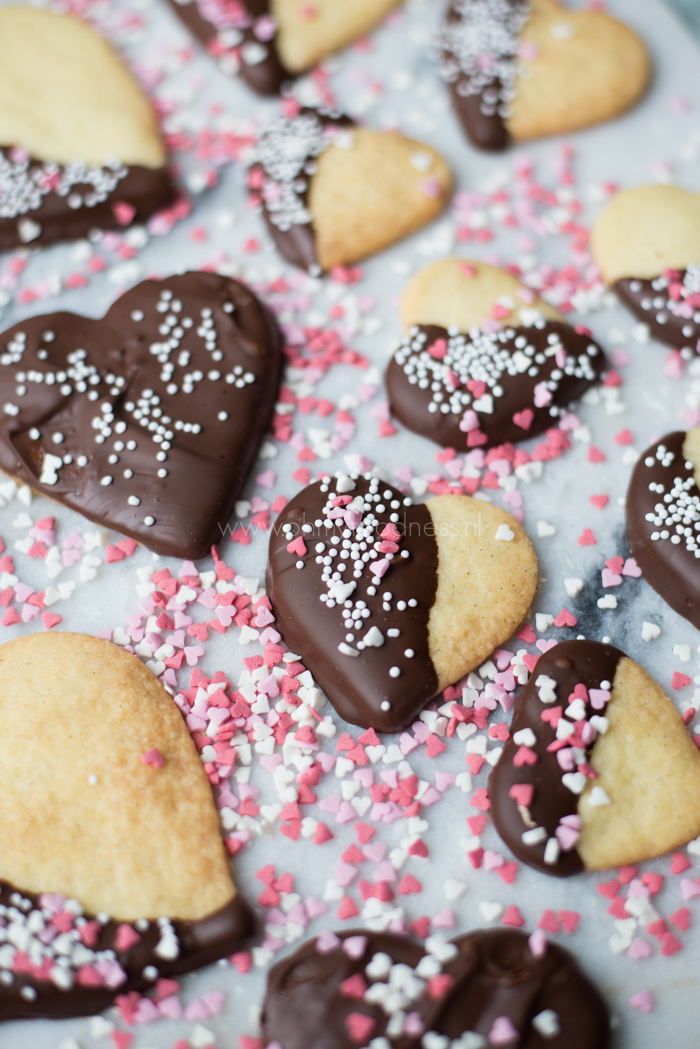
(663, 520)
(599, 771)
(79, 144)
(484, 360)
(489, 987)
(389, 602)
(148, 420)
(333, 193)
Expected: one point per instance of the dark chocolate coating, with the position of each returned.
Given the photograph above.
(409, 403)
(201, 943)
(357, 686)
(670, 568)
(669, 330)
(145, 189)
(205, 470)
(481, 96)
(570, 663)
(266, 77)
(495, 975)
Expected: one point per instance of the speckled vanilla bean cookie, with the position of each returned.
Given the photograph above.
(484, 360)
(268, 42)
(332, 193)
(390, 602)
(663, 520)
(600, 770)
(647, 245)
(79, 143)
(521, 69)
(111, 842)
(148, 420)
(492, 987)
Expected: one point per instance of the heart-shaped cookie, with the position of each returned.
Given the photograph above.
(390, 602)
(647, 245)
(113, 871)
(663, 520)
(267, 42)
(148, 420)
(600, 770)
(521, 69)
(79, 143)
(333, 193)
(484, 361)
(491, 987)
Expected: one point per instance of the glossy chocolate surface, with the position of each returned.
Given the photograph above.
(494, 980)
(668, 304)
(82, 199)
(476, 55)
(569, 664)
(28, 990)
(149, 420)
(358, 680)
(663, 524)
(506, 386)
(226, 40)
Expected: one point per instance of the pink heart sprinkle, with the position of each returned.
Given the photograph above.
(643, 1001)
(503, 1032)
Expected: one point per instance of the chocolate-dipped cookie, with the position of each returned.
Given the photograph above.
(663, 520)
(269, 42)
(599, 771)
(148, 420)
(113, 872)
(521, 69)
(332, 192)
(389, 602)
(79, 143)
(647, 245)
(484, 360)
(489, 987)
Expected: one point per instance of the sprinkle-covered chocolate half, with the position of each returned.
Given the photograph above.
(286, 156)
(544, 768)
(669, 305)
(663, 523)
(484, 388)
(148, 420)
(352, 576)
(57, 961)
(42, 202)
(490, 987)
(240, 35)
(476, 54)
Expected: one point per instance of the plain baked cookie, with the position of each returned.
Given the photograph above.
(492, 987)
(267, 42)
(332, 193)
(148, 420)
(663, 520)
(80, 144)
(484, 360)
(600, 770)
(389, 602)
(646, 243)
(109, 831)
(521, 69)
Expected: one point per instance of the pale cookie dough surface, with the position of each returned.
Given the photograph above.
(65, 95)
(303, 39)
(585, 67)
(142, 841)
(485, 585)
(365, 197)
(444, 294)
(649, 767)
(691, 451)
(645, 230)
